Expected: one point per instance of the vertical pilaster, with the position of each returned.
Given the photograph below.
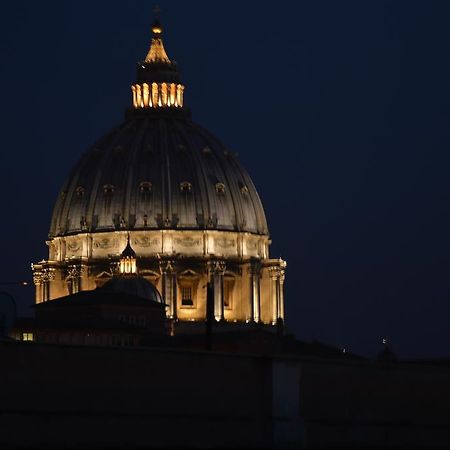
(255, 306)
(274, 292)
(217, 271)
(281, 294)
(169, 287)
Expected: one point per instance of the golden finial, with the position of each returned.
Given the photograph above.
(157, 52)
(156, 28)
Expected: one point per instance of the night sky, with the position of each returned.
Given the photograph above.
(339, 110)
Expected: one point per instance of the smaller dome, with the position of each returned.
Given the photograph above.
(133, 285)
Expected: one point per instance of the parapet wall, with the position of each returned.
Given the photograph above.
(66, 395)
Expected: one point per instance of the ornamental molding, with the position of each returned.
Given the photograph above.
(187, 242)
(224, 242)
(145, 242)
(105, 243)
(74, 246)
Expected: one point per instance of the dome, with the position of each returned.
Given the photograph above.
(132, 285)
(158, 171)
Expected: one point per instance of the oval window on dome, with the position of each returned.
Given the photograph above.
(80, 190)
(145, 187)
(108, 189)
(185, 186)
(220, 188)
(244, 188)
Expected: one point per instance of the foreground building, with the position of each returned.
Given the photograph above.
(188, 207)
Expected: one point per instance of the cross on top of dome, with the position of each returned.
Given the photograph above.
(157, 53)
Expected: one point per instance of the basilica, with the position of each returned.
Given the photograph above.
(162, 201)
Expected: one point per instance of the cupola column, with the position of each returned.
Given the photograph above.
(217, 272)
(255, 307)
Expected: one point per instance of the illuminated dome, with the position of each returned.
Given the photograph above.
(161, 197)
(158, 170)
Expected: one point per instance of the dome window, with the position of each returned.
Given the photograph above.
(244, 189)
(80, 191)
(185, 186)
(220, 188)
(108, 189)
(145, 187)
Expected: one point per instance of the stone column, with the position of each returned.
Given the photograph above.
(169, 287)
(48, 275)
(281, 294)
(255, 306)
(38, 282)
(74, 272)
(274, 276)
(217, 271)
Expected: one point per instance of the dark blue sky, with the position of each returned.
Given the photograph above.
(340, 111)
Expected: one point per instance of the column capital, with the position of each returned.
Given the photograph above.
(37, 277)
(217, 267)
(75, 270)
(274, 272)
(48, 274)
(166, 265)
(255, 266)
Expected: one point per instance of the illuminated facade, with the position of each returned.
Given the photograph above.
(180, 204)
